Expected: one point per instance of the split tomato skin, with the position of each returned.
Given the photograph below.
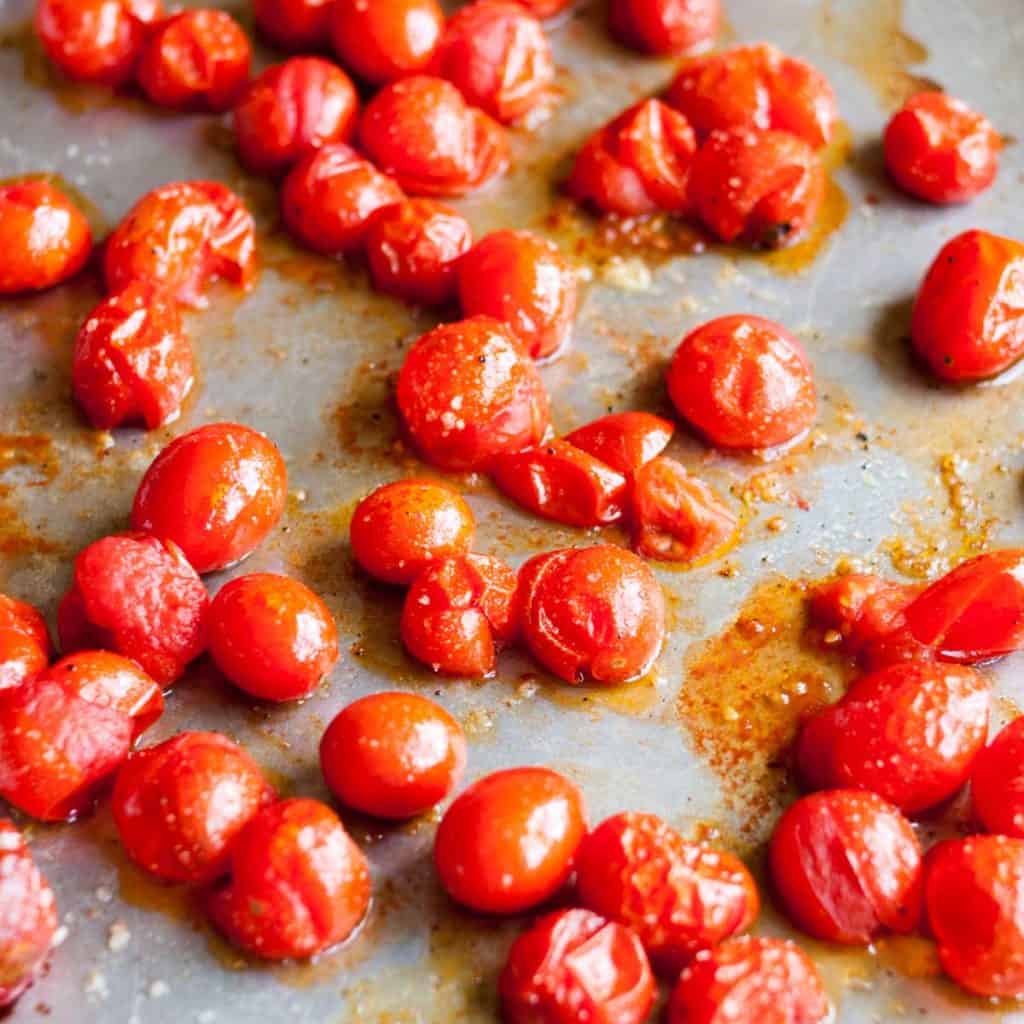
(997, 783)
(393, 755)
(24, 643)
(665, 26)
(861, 607)
(295, 25)
(624, 441)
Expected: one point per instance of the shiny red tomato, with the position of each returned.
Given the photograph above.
(422, 132)
(271, 636)
(298, 885)
(997, 783)
(847, 867)
(44, 239)
(624, 441)
(861, 607)
(665, 26)
(216, 492)
(295, 24)
(181, 237)
(180, 805)
(393, 755)
(968, 320)
(678, 897)
(468, 391)
(24, 643)
(508, 842)
(573, 966)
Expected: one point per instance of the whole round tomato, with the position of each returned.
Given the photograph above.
(862, 607)
(665, 26)
(624, 441)
(295, 24)
(24, 643)
(997, 783)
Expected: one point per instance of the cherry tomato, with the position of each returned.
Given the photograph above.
(136, 595)
(498, 56)
(468, 391)
(968, 320)
(24, 643)
(458, 613)
(217, 492)
(295, 24)
(197, 59)
(592, 614)
(767, 981)
(523, 279)
(413, 249)
(679, 897)
(861, 607)
(624, 441)
(180, 805)
(847, 867)
(508, 842)
(572, 966)
(997, 782)
(393, 755)
(422, 132)
(181, 237)
(291, 110)
(271, 636)
(665, 26)
(328, 198)
(544, 8)
(28, 923)
(400, 528)
(298, 886)
(743, 382)
(44, 239)
(133, 360)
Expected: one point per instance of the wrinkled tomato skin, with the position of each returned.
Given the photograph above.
(997, 783)
(178, 806)
(297, 25)
(24, 643)
(393, 755)
(271, 636)
(847, 867)
(665, 26)
(573, 965)
(468, 391)
(861, 607)
(386, 40)
(678, 897)
(298, 885)
(490, 855)
(216, 492)
(624, 441)
(44, 238)
(968, 319)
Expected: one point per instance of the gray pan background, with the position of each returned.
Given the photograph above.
(306, 358)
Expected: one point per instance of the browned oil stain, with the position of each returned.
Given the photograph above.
(26, 460)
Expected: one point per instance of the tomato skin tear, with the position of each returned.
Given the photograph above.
(624, 441)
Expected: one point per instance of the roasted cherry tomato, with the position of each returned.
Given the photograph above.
(767, 981)
(847, 867)
(756, 87)
(413, 249)
(498, 56)
(523, 279)
(679, 897)
(968, 320)
(458, 613)
(217, 492)
(298, 886)
(328, 198)
(400, 528)
(573, 965)
(24, 643)
(139, 596)
(743, 382)
(861, 608)
(28, 920)
(997, 783)
(96, 41)
(938, 149)
(974, 894)
(393, 755)
(291, 110)
(178, 806)
(468, 391)
(295, 24)
(909, 733)
(625, 441)
(133, 360)
(508, 842)
(665, 26)
(196, 60)
(592, 614)
(271, 636)
(44, 239)
(181, 237)
(422, 132)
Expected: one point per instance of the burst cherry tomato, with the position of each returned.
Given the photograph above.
(400, 528)
(997, 783)
(468, 391)
(573, 965)
(861, 607)
(508, 842)
(625, 441)
(178, 806)
(847, 867)
(298, 886)
(271, 636)
(968, 320)
(665, 26)
(295, 24)
(393, 755)
(24, 643)
(217, 492)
